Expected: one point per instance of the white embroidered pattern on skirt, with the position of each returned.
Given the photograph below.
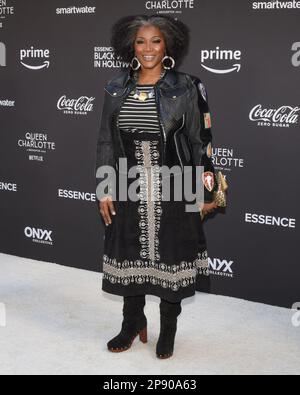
(150, 209)
(167, 276)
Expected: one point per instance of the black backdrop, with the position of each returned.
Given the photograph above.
(55, 59)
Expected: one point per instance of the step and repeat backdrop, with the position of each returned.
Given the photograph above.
(55, 58)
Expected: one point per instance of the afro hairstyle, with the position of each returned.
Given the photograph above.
(175, 33)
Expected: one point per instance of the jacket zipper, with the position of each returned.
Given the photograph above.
(162, 130)
(116, 123)
(176, 145)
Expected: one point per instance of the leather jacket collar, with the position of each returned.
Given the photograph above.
(126, 76)
(172, 85)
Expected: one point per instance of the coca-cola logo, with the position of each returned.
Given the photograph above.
(284, 115)
(81, 105)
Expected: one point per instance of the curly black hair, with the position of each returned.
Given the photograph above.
(175, 33)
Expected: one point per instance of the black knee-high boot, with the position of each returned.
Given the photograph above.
(134, 323)
(168, 326)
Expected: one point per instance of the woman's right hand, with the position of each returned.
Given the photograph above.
(209, 207)
(106, 207)
(206, 208)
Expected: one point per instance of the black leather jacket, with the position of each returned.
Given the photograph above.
(184, 122)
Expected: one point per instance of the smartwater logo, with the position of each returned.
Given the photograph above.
(76, 10)
(7, 103)
(275, 5)
(42, 236)
(32, 55)
(2, 315)
(220, 56)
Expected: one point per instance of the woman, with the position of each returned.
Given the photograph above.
(153, 116)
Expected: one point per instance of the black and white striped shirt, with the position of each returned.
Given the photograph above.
(139, 115)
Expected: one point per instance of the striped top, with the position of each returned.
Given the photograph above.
(137, 115)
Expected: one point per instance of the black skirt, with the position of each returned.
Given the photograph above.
(153, 246)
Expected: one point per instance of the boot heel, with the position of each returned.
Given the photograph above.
(143, 335)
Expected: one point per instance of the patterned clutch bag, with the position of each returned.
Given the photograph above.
(220, 194)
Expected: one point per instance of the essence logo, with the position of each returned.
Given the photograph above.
(296, 315)
(2, 315)
(104, 57)
(8, 186)
(42, 236)
(77, 195)
(262, 219)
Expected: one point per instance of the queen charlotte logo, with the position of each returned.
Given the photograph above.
(36, 145)
(171, 5)
(5, 10)
(225, 158)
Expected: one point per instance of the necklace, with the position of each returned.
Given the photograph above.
(143, 95)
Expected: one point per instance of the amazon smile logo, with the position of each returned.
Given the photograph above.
(35, 59)
(222, 56)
